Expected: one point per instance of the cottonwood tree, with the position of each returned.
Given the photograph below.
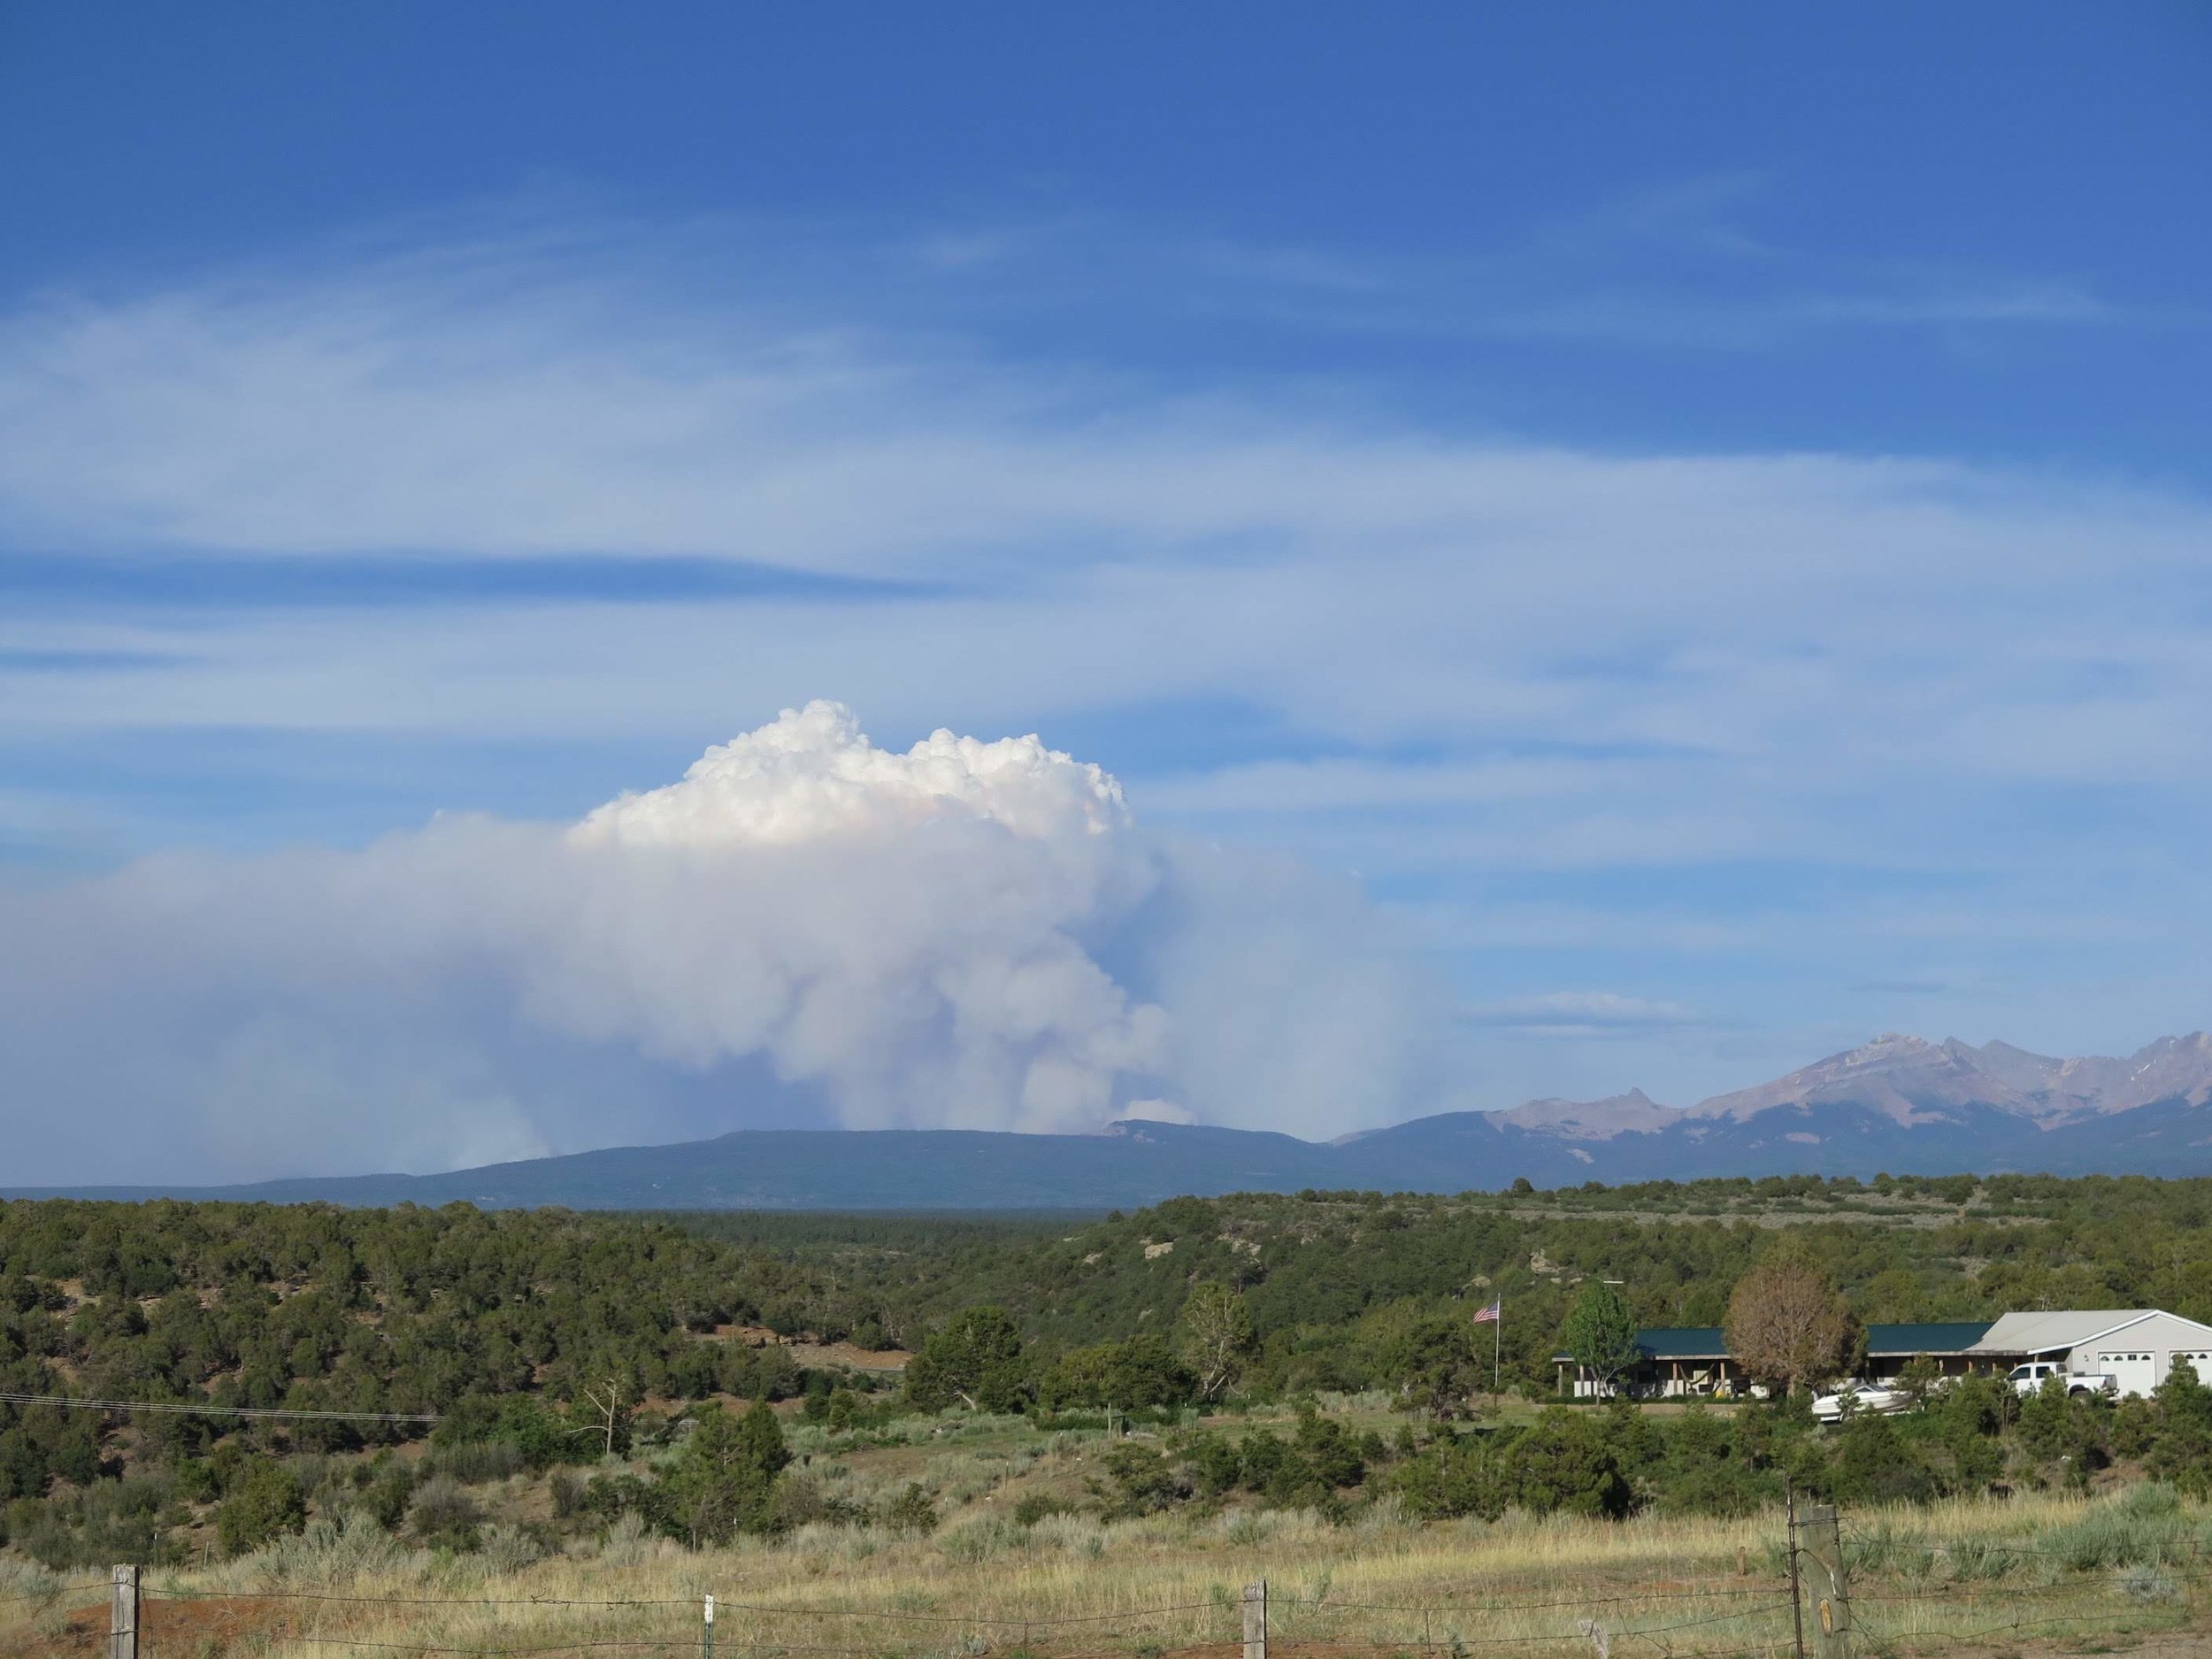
(1600, 1334)
(1217, 1336)
(1786, 1322)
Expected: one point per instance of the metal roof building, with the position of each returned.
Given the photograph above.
(2135, 1346)
(1695, 1360)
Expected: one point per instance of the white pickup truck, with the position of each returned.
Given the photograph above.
(2029, 1378)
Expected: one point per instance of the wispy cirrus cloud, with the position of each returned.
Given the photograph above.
(453, 498)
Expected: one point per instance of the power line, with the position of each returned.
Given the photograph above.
(185, 1409)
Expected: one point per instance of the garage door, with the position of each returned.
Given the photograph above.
(2199, 1361)
(2132, 1371)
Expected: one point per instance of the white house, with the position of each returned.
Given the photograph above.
(2135, 1346)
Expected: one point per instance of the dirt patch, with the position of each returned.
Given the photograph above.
(816, 1356)
(820, 1355)
(211, 1626)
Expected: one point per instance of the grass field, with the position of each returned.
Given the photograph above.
(2040, 1574)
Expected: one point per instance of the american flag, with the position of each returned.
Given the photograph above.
(1489, 1316)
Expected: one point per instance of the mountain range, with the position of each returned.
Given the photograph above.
(1897, 1104)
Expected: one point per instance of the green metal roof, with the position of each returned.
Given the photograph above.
(1709, 1342)
(1694, 1341)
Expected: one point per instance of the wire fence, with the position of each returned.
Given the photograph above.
(1448, 1625)
(2148, 1604)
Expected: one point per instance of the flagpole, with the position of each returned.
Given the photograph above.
(1497, 1352)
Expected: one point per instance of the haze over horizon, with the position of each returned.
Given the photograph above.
(1233, 567)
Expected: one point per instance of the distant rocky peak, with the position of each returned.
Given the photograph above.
(2016, 1068)
(2172, 1067)
(1893, 1048)
(1632, 1113)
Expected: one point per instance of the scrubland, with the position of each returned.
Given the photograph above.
(2045, 1572)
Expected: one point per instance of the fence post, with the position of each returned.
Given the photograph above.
(123, 1614)
(1797, 1597)
(1256, 1620)
(706, 1629)
(1823, 1548)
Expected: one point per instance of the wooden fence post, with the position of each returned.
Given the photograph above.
(123, 1614)
(706, 1629)
(1831, 1602)
(1797, 1592)
(1256, 1620)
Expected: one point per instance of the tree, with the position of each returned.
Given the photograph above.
(1786, 1322)
(1143, 1372)
(1562, 1462)
(1216, 1335)
(1920, 1378)
(266, 1502)
(976, 1360)
(1600, 1334)
(1431, 1361)
(1894, 1295)
(1875, 1464)
(2181, 1449)
(725, 1480)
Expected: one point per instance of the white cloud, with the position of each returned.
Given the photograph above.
(968, 934)
(1523, 663)
(812, 775)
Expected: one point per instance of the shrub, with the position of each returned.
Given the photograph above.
(566, 1493)
(1875, 1464)
(1980, 1558)
(472, 1462)
(1033, 1507)
(1139, 1481)
(444, 1515)
(265, 1505)
(912, 1511)
(508, 1548)
(978, 1540)
(1564, 1463)
(2148, 1584)
(326, 1553)
(2144, 1528)
(1328, 1451)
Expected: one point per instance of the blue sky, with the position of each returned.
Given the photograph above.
(1702, 511)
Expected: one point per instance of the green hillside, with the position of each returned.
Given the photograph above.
(506, 1323)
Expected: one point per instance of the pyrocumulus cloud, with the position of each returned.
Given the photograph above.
(806, 928)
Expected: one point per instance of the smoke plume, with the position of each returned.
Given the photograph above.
(805, 929)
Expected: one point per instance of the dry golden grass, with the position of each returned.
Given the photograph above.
(1071, 1585)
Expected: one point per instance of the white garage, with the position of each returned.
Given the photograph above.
(2135, 1346)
